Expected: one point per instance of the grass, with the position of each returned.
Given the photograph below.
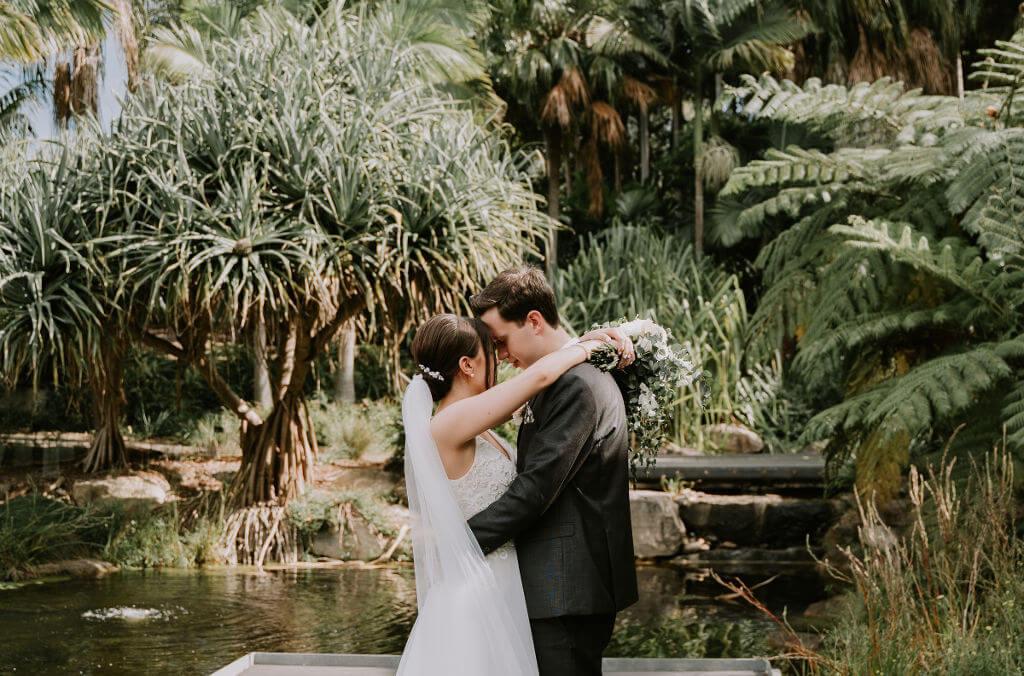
(165, 538)
(317, 509)
(676, 637)
(35, 529)
(364, 430)
(948, 597)
(944, 597)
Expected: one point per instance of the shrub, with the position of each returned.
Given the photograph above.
(947, 598)
(35, 529)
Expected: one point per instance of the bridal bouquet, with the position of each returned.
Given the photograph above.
(650, 385)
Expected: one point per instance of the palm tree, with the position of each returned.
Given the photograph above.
(917, 43)
(33, 30)
(559, 66)
(723, 36)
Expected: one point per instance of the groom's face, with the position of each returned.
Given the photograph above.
(519, 345)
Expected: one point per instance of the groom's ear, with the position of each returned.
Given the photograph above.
(535, 320)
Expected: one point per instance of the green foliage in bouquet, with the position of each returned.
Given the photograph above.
(650, 387)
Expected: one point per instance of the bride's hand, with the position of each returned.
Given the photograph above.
(617, 337)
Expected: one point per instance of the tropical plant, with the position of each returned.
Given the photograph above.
(723, 36)
(349, 185)
(701, 304)
(894, 262)
(564, 69)
(58, 318)
(31, 30)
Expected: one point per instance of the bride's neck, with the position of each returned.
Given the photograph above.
(459, 391)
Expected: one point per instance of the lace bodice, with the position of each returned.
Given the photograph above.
(487, 479)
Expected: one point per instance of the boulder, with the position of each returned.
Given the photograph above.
(657, 528)
(371, 480)
(354, 539)
(675, 449)
(737, 518)
(830, 609)
(756, 519)
(137, 491)
(734, 438)
(80, 568)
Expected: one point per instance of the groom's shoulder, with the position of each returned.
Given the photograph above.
(584, 376)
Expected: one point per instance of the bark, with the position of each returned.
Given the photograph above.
(344, 382)
(278, 455)
(677, 122)
(106, 381)
(698, 174)
(959, 75)
(552, 142)
(645, 144)
(262, 394)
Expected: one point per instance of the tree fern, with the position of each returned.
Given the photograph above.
(904, 292)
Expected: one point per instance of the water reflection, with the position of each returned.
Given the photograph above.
(193, 622)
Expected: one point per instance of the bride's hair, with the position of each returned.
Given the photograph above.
(442, 341)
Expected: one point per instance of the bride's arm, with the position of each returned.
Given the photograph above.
(466, 418)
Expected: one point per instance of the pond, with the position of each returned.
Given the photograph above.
(193, 622)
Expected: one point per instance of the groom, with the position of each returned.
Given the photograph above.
(568, 508)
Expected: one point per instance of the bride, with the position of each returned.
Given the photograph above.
(472, 612)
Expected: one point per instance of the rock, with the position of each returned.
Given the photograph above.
(756, 519)
(734, 438)
(737, 518)
(675, 449)
(80, 568)
(771, 557)
(355, 539)
(657, 528)
(829, 609)
(196, 477)
(371, 480)
(792, 522)
(141, 490)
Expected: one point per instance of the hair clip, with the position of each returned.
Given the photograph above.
(433, 374)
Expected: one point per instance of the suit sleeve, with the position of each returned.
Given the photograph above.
(564, 425)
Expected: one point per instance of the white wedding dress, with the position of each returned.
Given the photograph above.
(472, 617)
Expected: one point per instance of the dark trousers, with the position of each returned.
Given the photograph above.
(571, 645)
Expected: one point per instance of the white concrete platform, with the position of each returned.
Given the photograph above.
(317, 664)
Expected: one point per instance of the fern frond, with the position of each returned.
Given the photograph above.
(863, 115)
(797, 166)
(956, 262)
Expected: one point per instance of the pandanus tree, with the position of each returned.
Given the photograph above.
(58, 319)
(311, 179)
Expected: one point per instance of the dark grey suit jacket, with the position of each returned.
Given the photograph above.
(568, 508)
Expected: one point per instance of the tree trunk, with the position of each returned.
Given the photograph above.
(106, 382)
(552, 141)
(344, 381)
(698, 174)
(263, 395)
(645, 144)
(278, 454)
(677, 121)
(959, 75)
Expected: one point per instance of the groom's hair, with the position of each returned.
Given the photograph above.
(516, 293)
